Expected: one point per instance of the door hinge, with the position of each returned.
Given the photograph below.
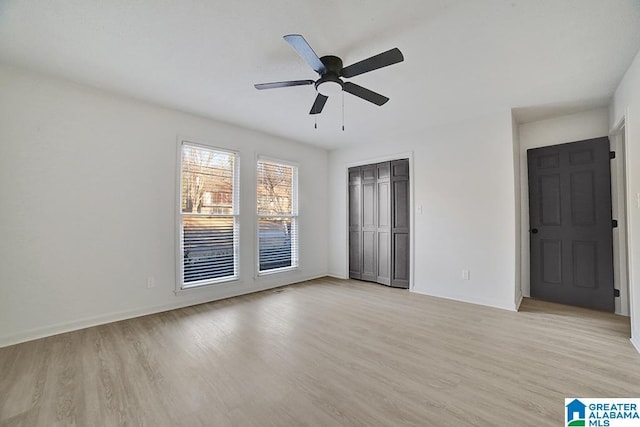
(616, 293)
(614, 223)
(612, 154)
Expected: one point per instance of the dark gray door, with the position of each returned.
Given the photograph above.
(400, 223)
(570, 224)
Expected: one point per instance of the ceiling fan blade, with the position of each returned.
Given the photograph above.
(318, 105)
(304, 50)
(381, 60)
(364, 93)
(275, 85)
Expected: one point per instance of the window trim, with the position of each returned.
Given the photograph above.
(295, 185)
(179, 254)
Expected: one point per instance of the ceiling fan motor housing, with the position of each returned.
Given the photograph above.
(333, 64)
(329, 83)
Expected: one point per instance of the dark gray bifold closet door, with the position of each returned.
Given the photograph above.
(379, 223)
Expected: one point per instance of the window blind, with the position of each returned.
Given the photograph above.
(209, 211)
(277, 205)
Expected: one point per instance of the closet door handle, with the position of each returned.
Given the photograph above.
(534, 231)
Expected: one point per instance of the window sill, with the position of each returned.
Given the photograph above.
(276, 271)
(206, 285)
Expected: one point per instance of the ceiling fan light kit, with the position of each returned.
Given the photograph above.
(328, 87)
(331, 72)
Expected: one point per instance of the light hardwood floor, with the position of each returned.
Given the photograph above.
(323, 353)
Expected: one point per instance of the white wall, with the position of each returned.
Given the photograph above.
(626, 105)
(558, 130)
(87, 191)
(463, 177)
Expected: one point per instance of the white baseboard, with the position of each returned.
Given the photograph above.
(306, 279)
(518, 302)
(636, 343)
(60, 328)
(460, 298)
(338, 276)
(88, 322)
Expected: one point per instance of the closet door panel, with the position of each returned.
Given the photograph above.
(369, 224)
(383, 229)
(400, 269)
(355, 223)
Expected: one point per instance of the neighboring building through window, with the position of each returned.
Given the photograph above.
(277, 203)
(208, 216)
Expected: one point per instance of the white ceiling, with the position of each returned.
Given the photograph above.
(463, 58)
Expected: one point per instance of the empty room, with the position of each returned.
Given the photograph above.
(320, 213)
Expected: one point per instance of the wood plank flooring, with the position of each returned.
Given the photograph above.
(323, 353)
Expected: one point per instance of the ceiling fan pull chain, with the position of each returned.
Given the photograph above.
(315, 119)
(342, 111)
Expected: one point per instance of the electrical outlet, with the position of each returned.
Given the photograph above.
(151, 282)
(466, 275)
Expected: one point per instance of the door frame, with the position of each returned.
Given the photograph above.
(620, 211)
(345, 180)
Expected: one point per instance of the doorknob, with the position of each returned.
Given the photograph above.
(534, 231)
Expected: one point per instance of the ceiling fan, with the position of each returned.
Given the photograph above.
(331, 70)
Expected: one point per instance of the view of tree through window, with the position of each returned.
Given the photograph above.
(209, 215)
(277, 216)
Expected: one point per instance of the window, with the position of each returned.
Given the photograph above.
(208, 216)
(277, 200)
